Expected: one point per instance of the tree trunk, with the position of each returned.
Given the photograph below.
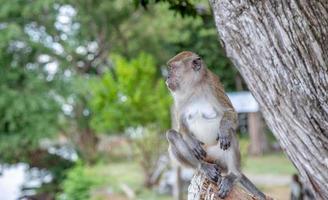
(281, 50)
(86, 142)
(258, 140)
(201, 188)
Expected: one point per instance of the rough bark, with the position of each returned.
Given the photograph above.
(281, 50)
(201, 188)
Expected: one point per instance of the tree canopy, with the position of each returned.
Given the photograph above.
(130, 97)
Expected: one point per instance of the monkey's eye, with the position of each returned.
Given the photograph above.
(197, 64)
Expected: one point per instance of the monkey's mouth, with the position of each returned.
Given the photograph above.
(171, 82)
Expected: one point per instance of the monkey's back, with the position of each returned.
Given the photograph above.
(218, 90)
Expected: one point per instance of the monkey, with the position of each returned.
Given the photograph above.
(206, 137)
(296, 188)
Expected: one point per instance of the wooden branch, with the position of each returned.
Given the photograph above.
(201, 188)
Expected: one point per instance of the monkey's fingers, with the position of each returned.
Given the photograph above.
(224, 143)
(198, 150)
(196, 154)
(203, 153)
(211, 171)
(199, 153)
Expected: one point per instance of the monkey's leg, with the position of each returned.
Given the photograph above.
(234, 175)
(226, 185)
(229, 160)
(181, 151)
(193, 143)
(228, 182)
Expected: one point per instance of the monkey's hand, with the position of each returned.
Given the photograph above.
(225, 140)
(198, 150)
(227, 128)
(196, 147)
(212, 171)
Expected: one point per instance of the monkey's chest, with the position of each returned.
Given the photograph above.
(202, 121)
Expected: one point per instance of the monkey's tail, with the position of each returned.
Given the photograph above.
(245, 182)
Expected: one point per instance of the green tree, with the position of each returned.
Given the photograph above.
(77, 37)
(163, 33)
(52, 49)
(131, 96)
(132, 99)
(77, 185)
(28, 107)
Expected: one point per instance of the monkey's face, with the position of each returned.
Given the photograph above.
(184, 71)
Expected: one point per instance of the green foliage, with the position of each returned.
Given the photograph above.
(78, 184)
(162, 33)
(200, 36)
(82, 45)
(113, 175)
(131, 96)
(184, 7)
(28, 109)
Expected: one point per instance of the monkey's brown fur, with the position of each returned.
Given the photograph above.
(207, 122)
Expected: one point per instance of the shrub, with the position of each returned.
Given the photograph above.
(78, 184)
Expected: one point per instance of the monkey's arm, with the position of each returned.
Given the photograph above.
(181, 152)
(194, 144)
(228, 123)
(227, 128)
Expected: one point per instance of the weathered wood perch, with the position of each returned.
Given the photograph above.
(201, 188)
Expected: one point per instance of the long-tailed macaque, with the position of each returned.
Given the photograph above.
(206, 137)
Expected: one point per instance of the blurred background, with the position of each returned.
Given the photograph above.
(84, 107)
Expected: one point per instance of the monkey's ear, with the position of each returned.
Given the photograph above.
(197, 64)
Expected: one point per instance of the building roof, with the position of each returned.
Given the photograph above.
(243, 102)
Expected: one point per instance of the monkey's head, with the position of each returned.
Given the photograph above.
(185, 70)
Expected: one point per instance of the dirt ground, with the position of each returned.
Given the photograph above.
(278, 192)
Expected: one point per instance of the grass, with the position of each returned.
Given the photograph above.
(114, 175)
(274, 163)
(277, 192)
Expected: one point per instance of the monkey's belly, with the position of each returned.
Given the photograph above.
(205, 130)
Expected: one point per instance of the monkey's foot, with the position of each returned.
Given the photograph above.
(211, 170)
(225, 187)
